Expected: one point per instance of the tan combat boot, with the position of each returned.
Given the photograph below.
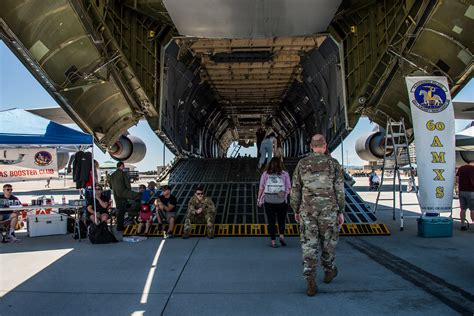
(329, 275)
(312, 287)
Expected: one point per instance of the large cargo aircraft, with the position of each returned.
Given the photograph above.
(207, 73)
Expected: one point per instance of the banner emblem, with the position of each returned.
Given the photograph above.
(433, 124)
(430, 96)
(43, 158)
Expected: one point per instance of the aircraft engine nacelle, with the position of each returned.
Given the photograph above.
(128, 148)
(464, 157)
(370, 147)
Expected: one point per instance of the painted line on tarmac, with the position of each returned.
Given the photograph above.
(450, 294)
(179, 277)
(151, 274)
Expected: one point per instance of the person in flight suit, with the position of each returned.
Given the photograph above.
(120, 184)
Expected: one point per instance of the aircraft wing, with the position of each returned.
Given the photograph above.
(56, 114)
(465, 139)
(463, 110)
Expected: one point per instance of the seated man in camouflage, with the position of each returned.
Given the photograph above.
(201, 210)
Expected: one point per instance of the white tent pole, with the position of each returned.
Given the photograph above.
(93, 184)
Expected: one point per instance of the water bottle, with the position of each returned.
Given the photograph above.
(63, 200)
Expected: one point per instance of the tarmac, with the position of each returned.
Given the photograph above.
(401, 274)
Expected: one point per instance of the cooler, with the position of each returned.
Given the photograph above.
(46, 224)
(435, 226)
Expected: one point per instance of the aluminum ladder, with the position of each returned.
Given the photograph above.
(396, 158)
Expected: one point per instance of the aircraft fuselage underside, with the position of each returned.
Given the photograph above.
(204, 77)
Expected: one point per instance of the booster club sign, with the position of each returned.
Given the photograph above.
(433, 123)
(27, 164)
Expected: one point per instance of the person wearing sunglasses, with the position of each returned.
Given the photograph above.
(201, 210)
(13, 215)
(102, 207)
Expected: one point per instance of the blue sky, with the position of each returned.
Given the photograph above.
(19, 89)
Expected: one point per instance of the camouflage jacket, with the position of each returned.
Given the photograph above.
(206, 204)
(317, 177)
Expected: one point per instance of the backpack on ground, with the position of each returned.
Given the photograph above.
(100, 234)
(274, 184)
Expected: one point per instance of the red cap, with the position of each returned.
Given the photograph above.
(145, 208)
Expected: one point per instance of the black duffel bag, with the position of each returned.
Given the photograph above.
(100, 234)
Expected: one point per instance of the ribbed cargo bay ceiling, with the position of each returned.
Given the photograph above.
(252, 75)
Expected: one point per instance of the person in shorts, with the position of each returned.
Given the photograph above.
(13, 215)
(166, 203)
(466, 192)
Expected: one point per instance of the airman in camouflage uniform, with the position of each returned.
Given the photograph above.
(201, 210)
(317, 197)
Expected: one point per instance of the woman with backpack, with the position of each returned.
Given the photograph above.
(273, 191)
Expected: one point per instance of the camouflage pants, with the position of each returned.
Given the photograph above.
(206, 217)
(318, 231)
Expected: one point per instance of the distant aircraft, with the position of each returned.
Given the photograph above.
(207, 76)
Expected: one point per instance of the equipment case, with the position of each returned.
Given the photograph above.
(435, 226)
(46, 224)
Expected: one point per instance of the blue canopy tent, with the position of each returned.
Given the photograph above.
(20, 128)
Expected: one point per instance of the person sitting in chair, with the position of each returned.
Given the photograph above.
(101, 204)
(10, 216)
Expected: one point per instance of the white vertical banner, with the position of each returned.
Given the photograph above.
(433, 123)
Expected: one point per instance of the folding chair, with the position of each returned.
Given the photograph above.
(4, 229)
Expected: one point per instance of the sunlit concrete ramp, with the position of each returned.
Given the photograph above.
(234, 276)
(232, 183)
